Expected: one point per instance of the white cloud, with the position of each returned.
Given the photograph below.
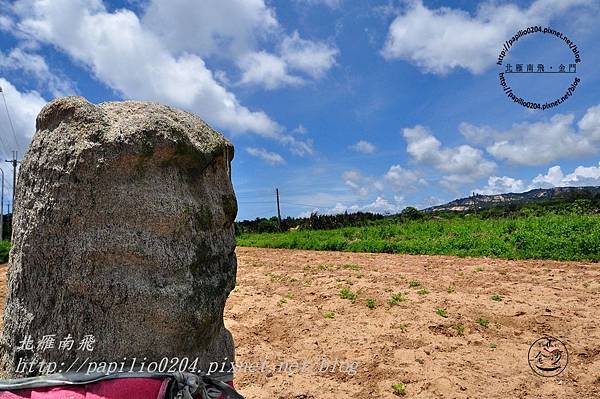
(380, 205)
(358, 183)
(589, 124)
(221, 27)
(581, 176)
(6, 23)
(500, 185)
(538, 143)
(363, 146)
(461, 164)
(128, 57)
(36, 65)
(23, 107)
(296, 54)
(310, 57)
(400, 179)
(271, 158)
(300, 130)
(440, 40)
(327, 3)
(267, 70)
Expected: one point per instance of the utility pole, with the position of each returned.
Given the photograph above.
(14, 163)
(278, 209)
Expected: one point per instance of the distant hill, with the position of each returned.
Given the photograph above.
(479, 201)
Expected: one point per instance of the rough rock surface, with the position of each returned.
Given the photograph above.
(123, 229)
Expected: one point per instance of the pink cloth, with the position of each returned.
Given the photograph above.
(123, 388)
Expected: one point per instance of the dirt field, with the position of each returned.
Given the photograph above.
(287, 348)
(277, 313)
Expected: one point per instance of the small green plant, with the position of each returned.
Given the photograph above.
(396, 299)
(442, 312)
(403, 327)
(345, 293)
(460, 330)
(351, 266)
(281, 302)
(598, 378)
(399, 389)
(371, 303)
(479, 269)
(493, 345)
(423, 291)
(483, 322)
(496, 298)
(414, 283)
(450, 289)
(329, 315)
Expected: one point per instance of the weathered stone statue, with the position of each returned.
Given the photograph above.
(123, 230)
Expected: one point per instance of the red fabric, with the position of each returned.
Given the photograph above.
(124, 388)
(230, 383)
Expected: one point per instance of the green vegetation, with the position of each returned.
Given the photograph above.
(329, 315)
(560, 236)
(399, 389)
(396, 299)
(423, 291)
(414, 284)
(345, 293)
(4, 250)
(442, 312)
(351, 266)
(483, 322)
(371, 303)
(496, 298)
(460, 330)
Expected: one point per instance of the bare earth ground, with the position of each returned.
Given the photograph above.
(276, 314)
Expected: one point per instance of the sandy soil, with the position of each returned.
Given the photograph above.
(276, 314)
(287, 348)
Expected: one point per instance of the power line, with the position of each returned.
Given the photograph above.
(9, 118)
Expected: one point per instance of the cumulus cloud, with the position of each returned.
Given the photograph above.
(211, 27)
(35, 65)
(499, 185)
(400, 179)
(461, 164)
(310, 57)
(357, 182)
(296, 55)
(440, 40)
(581, 176)
(127, 56)
(363, 146)
(380, 205)
(268, 70)
(539, 143)
(23, 108)
(271, 158)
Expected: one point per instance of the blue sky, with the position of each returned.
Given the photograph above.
(342, 105)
